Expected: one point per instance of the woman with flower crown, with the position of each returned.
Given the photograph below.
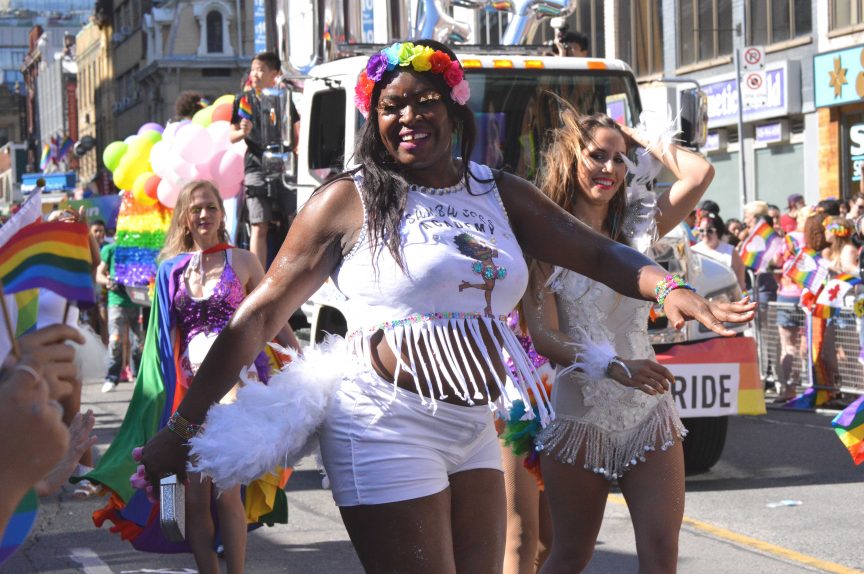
(407, 437)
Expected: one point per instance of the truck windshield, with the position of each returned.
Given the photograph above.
(515, 109)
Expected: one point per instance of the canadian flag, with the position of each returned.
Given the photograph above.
(834, 293)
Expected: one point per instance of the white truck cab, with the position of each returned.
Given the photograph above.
(510, 97)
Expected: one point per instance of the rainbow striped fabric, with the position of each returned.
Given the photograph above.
(244, 108)
(807, 269)
(19, 525)
(140, 236)
(760, 247)
(46, 157)
(849, 426)
(54, 256)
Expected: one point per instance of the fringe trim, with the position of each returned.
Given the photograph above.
(447, 337)
(611, 453)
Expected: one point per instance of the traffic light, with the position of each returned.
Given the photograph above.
(694, 118)
(84, 145)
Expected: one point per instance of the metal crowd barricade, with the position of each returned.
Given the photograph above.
(842, 334)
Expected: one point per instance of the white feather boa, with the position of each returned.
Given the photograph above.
(274, 424)
(91, 358)
(592, 357)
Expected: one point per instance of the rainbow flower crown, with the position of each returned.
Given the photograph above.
(837, 229)
(420, 59)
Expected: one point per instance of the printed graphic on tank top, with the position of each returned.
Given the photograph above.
(463, 273)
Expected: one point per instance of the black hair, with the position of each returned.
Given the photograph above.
(829, 207)
(710, 206)
(97, 222)
(385, 190)
(269, 59)
(576, 38)
(716, 221)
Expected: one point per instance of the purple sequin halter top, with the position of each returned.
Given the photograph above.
(208, 314)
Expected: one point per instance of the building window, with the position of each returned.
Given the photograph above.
(214, 32)
(640, 35)
(705, 30)
(846, 13)
(772, 21)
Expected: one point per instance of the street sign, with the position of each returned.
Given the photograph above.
(753, 59)
(754, 90)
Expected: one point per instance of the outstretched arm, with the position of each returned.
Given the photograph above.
(321, 233)
(548, 233)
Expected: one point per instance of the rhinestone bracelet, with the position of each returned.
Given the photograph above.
(182, 427)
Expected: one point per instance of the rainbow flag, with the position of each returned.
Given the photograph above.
(64, 147)
(244, 108)
(46, 157)
(19, 526)
(54, 256)
(848, 278)
(792, 244)
(849, 426)
(760, 247)
(807, 269)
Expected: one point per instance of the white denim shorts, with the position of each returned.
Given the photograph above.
(381, 447)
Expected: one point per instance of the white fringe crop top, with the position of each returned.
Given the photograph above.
(464, 271)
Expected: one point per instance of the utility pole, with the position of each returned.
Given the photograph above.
(742, 176)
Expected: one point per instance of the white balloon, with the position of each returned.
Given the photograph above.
(219, 134)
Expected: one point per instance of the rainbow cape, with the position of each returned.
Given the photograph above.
(849, 426)
(54, 256)
(244, 108)
(760, 247)
(159, 389)
(140, 236)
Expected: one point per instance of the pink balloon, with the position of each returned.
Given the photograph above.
(167, 193)
(202, 171)
(239, 147)
(229, 191)
(171, 130)
(219, 132)
(215, 160)
(193, 143)
(230, 169)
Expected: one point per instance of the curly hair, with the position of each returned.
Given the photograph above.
(385, 190)
(814, 231)
(559, 178)
(187, 104)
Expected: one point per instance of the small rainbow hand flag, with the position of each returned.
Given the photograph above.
(760, 247)
(244, 109)
(54, 256)
(807, 269)
(849, 426)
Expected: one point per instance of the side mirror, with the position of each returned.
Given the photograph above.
(694, 118)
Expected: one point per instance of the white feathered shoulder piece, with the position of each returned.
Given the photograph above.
(640, 217)
(270, 425)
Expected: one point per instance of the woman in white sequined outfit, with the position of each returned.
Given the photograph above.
(606, 421)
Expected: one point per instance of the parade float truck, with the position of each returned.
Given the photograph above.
(715, 377)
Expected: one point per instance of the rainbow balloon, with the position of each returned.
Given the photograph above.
(140, 236)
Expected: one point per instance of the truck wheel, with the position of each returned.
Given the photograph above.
(706, 437)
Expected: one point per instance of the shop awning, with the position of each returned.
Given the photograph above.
(53, 181)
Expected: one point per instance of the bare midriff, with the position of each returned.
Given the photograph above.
(384, 364)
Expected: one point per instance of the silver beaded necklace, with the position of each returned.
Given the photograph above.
(437, 190)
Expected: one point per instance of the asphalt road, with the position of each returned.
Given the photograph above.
(785, 498)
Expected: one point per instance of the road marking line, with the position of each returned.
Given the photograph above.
(760, 545)
(89, 561)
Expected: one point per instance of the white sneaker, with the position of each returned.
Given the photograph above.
(109, 386)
